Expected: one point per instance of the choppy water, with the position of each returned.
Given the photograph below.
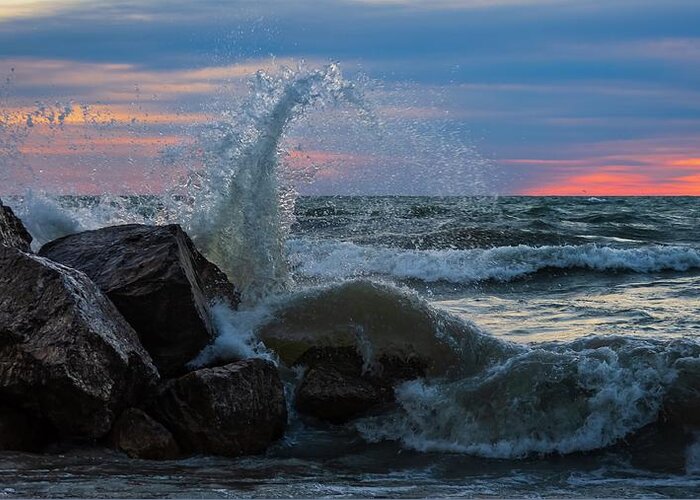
(601, 295)
(325, 464)
(529, 269)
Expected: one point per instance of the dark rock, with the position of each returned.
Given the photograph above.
(389, 369)
(339, 385)
(157, 280)
(20, 431)
(12, 231)
(139, 436)
(657, 447)
(328, 394)
(230, 410)
(682, 402)
(214, 283)
(66, 354)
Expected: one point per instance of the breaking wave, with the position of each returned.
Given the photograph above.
(577, 397)
(236, 207)
(342, 260)
(483, 395)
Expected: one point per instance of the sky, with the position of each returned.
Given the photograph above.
(533, 97)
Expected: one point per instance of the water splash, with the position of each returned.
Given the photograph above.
(235, 208)
(236, 336)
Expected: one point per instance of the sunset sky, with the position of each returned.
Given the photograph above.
(541, 97)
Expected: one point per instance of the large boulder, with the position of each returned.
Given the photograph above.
(66, 354)
(339, 384)
(12, 231)
(157, 280)
(230, 410)
(139, 436)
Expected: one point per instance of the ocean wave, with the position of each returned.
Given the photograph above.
(481, 395)
(342, 260)
(470, 237)
(555, 399)
(392, 321)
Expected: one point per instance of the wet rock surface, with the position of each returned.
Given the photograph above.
(66, 354)
(230, 410)
(336, 397)
(140, 436)
(157, 280)
(12, 231)
(340, 385)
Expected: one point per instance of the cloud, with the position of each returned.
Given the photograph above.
(17, 9)
(619, 168)
(548, 81)
(617, 181)
(460, 4)
(681, 50)
(127, 82)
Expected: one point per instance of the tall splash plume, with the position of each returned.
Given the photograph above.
(235, 208)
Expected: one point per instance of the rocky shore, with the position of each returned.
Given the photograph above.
(97, 332)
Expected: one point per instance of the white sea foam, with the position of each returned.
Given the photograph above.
(48, 217)
(45, 219)
(236, 337)
(342, 260)
(540, 401)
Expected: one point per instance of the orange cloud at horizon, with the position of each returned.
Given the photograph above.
(126, 145)
(655, 167)
(619, 181)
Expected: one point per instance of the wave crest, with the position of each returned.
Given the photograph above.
(342, 260)
(561, 399)
(486, 396)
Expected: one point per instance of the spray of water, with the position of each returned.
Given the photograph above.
(235, 207)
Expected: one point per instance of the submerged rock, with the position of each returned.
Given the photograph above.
(328, 394)
(157, 280)
(340, 385)
(66, 354)
(139, 436)
(12, 231)
(230, 410)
